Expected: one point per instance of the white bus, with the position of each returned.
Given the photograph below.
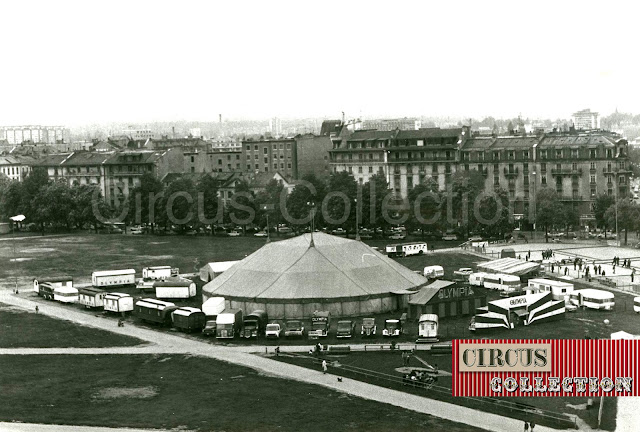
(636, 304)
(559, 290)
(406, 249)
(592, 299)
(65, 294)
(428, 326)
(501, 282)
(109, 278)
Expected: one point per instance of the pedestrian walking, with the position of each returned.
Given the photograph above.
(324, 366)
(566, 270)
(37, 309)
(599, 268)
(552, 268)
(580, 265)
(603, 273)
(531, 426)
(633, 273)
(614, 269)
(526, 427)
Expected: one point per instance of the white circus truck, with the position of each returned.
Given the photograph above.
(111, 278)
(174, 288)
(320, 322)
(156, 272)
(211, 308)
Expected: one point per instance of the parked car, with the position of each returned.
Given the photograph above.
(449, 237)
(475, 238)
(233, 234)
(273, 330)
(464, 271)
(398, 236)
(339, 231)
(136, 230)
(284, 229)
(260, 234)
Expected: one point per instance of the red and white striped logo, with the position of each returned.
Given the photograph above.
(546, 367)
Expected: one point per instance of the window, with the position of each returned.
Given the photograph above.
(257, 166)
(622, 180)
(370, 170)
(266, 160)
(447, 169)
(359, 170)
(543, 167)
(525, 168)
(288, 146)
(526, 195)
(192, 159)
(248, 167)
(219, 161)
(434, 168)
(282, 165)
(496, 156)
(609, 153)
(593, 193)
(512, 155)
(592, 166)
(593, 153)
(526, 180)
(592, 179)
(409, 182)
(248, 147)
(255, 147)
(558, 154)
(255, 156)
(275, 166)
(574, 166)
(525, 154)
(265, 150)
(543, 154)
(496, 181)
(543, 180)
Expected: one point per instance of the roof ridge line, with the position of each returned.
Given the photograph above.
(344, 273)
(283, 272)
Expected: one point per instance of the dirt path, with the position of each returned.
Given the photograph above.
(165, 342)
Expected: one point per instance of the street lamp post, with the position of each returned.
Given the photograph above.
(533, 204)
(15, 219)
(357, 225)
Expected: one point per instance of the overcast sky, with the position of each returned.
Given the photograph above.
(67, 62)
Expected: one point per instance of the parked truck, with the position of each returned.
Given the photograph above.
(294, 328)
(320, 322)
(229, 324)
(368, 327)
(392, 327)
(345, 329)
(254, 324)
(211, 308)
(156, 272)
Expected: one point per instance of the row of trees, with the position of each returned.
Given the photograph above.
(45, 202)
(338, 201)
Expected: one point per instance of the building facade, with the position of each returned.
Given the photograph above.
(34, 134)
(270, 155)
(578, 166)
(15, 168)
(586, 120)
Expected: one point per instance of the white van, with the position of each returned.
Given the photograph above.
(433, 272)
(502, 282)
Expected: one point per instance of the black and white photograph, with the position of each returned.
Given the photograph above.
(222, 216)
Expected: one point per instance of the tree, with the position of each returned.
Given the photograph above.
(549, 210)
(178, 202)
(242, 210)
(88, 206)
(628, 214)
(466, 186)
(570, 217)
(145, 203)
(268, 201)
(374, 193)
(308, 193)
(425, 204)
(208, 208)
(11, 201)
(33, 183)
(600, 207)
(51, 205)
(343, 188)
(495, 210)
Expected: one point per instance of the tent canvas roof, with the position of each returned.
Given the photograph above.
(512, 266)
(423, 296)
(334, 267)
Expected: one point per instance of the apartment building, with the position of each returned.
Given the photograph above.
(15, 167)
(579, 166)
(270, 155)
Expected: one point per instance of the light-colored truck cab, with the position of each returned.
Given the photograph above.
(273, 330)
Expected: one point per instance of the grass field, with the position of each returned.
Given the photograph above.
(19, 329)
(189, 392)
(387, 362)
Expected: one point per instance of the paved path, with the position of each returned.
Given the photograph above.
(33, 427)
(173, 343)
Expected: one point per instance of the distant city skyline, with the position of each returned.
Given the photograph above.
(145, 62)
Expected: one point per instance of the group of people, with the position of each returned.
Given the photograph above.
(546, 254)
(528, 426)
(626, 263)
(419, 378)
(406, 356)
